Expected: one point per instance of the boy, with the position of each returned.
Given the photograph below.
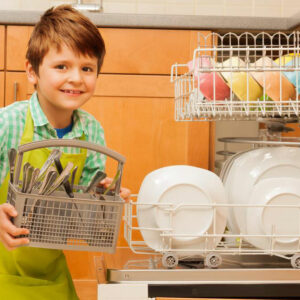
(64, 57)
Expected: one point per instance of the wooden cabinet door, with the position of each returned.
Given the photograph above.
(17, 87)
(128, 51)
(17, 39)
(2, 45)
(146, 51)
(1, 89)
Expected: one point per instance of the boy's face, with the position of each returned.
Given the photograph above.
(65, 81)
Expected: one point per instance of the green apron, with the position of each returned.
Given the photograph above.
(36, 273)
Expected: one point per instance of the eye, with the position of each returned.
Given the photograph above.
(60, 67)
(87, 69)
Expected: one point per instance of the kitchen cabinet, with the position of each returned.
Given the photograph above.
(2, 45)
(17, 87)
(128, 51)
(16, 45)
(1, 89)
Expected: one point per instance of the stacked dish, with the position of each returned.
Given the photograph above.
(291, 61)
(175, 209)
(276, 86)
(211, 84)
(257, 180)
(241, 83)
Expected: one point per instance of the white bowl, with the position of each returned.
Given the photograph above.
(178, 200)
(251, 167)
(268, 220)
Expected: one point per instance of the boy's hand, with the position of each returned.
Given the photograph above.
(8, 231)
(124, 192)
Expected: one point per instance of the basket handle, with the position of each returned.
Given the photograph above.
(69, 143)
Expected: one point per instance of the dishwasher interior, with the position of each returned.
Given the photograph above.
(251, 247)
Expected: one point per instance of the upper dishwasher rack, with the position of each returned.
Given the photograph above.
(239, 77)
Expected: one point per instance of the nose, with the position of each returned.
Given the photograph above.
(75, 75)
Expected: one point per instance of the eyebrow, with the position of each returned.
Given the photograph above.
(61, 62)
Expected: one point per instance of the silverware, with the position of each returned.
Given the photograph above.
(45, 182)
(61, 179)
(96, 178)
(24, 181)
(28, 177)
(34, 177)
(12, 154)
(54, 154)
(66, 183)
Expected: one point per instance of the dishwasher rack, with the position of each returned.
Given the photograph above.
(229, 245)
(234, 59)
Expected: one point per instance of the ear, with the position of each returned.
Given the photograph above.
(31, 75)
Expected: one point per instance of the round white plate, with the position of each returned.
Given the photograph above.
(231, 223)
(180, 198)
(275, 220)
(251, 167)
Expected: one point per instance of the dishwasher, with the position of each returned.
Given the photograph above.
(255, 253)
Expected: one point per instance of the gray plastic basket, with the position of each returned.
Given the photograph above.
(81, 223)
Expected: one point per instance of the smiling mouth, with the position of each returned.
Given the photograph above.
(73, 92)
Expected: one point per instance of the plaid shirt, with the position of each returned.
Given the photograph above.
(12, 122)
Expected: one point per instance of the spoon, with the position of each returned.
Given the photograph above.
(12, 154)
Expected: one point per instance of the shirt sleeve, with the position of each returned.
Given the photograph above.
(95, 161)
(4, 134)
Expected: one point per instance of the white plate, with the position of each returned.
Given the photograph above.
(251, 167)
(185, 189)
(275, 220)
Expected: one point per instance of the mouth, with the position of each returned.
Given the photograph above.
(72, 92)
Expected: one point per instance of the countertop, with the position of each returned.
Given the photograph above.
(18, 17)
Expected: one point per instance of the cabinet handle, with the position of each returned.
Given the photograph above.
(16, 88)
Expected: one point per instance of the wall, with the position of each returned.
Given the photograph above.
(264, 8)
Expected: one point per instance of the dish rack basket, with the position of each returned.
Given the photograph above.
(56, 221)
(229, 246)
(191, 105)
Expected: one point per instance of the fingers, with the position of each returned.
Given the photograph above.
(9, 210)
(8, 231)
(125, 194)
(106, 182)
(11, 243)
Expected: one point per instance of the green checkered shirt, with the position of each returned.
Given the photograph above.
(12, 122)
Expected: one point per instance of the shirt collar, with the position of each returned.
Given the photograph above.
(40, 119)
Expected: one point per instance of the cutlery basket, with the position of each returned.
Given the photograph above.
(86, 222)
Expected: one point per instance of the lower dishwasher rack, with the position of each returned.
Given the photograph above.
(228, 248)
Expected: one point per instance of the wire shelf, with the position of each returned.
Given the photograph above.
(230, 244)
(239, 77)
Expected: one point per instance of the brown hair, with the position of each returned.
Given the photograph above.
(64, 25)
